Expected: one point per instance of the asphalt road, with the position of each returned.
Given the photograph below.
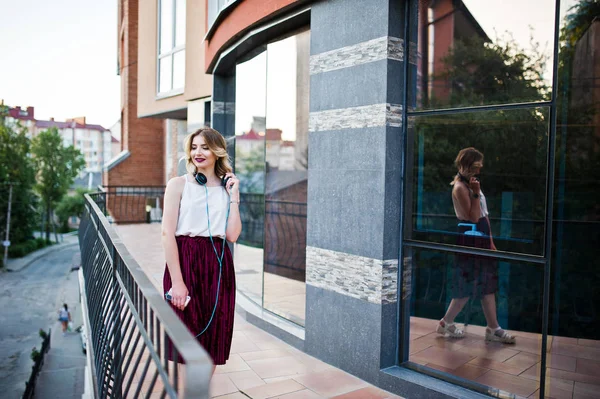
(29, 300)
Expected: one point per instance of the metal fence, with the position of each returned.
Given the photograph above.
(134, 334)
(134, 204)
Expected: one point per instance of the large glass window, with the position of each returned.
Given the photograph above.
(250, 100)
(286, 177)
(171, 46)
(574, 328)
(476, 52)
(514, 257)
(271, 126)
(439, 278)
(513, 177)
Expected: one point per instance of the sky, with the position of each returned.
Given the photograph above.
(60, 57)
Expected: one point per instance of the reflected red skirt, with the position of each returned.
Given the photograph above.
(200, 271)
(474, 275)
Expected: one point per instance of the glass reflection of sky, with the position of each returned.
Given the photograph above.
(522, 19)
(280, 62)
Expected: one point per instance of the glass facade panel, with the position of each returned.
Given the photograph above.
(166, 26)
(286, 177)
(574, 328)
(474, 52)
(179, 69)
(444, 283)
(250, 115)
(512, 179)
(165, 74)
(180, 23)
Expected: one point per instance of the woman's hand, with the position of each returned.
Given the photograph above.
(475, 186)
(493, 246)
(179, 293)
(233, 186)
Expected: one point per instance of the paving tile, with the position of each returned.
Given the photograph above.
(533, 346)
(312, 363)
(235, 395)
(282, 378)
(534, 373)
(273, 390)
(303, 394)
(266, 354)
(494, 365)
(445, 358)
(370, 393)
(221, 384)
(585, 366)
(583, 352)
(509, 383)
(331, 382)
(564, 340)
(585, 391)
(277, 367)
(245, 379)
(243, 345)
(561, 362)
(470, 372)
(589, 342)
(418, 346)
(435, 339)
(492, 351)
(558, 388)
(523, 360)
(235, 363)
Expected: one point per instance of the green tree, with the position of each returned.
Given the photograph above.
(57, 166)
(70, 205)
(16, 167)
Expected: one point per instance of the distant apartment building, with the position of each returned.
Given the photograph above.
(94, 141)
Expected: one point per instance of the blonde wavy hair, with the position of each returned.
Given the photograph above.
(216, 144)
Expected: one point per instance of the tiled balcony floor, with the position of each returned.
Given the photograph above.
(259, 360)
(260, 365)
(573, 364)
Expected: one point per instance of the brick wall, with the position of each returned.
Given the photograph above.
(144, 138)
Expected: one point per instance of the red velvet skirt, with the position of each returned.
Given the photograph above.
(474, 275)
(200, 271)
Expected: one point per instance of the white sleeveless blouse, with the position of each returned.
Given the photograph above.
(192, 219)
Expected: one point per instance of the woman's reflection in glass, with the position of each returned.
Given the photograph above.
(474, 276)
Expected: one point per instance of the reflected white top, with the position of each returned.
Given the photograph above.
(482, 204)
(192, 219)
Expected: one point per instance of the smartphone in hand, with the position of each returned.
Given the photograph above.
(169, 297)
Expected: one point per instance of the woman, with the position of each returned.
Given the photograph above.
(64, 316)
(475, 276)
(196, 220)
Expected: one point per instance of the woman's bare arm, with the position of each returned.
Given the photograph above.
(169, 226)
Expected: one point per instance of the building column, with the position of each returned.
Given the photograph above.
(354, 184)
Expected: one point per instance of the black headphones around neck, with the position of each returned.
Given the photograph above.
(201, 179)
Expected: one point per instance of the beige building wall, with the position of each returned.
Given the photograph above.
(197, 83)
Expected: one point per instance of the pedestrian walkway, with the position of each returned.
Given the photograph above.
(260, 365)
(18, 264)
(63, 373)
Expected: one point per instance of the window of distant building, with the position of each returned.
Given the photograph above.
(171, 45)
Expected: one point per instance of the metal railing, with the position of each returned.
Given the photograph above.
(134, 204)
(134, 334)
